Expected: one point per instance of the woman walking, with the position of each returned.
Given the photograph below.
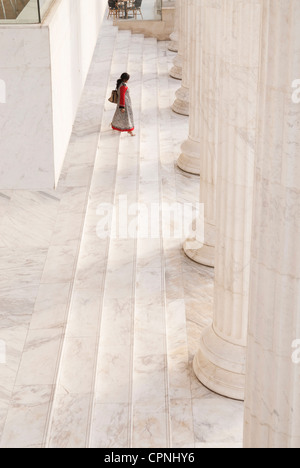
(123, 119)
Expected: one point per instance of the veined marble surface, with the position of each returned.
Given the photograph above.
(100, 333)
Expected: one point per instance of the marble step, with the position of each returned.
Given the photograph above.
(150, 413)
(178, 366)
(49, 267)
(74, 399)
(111, 410)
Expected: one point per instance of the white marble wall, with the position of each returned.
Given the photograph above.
(73, 31)
(26, 151)
(44, 69)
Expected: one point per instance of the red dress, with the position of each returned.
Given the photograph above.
(123, 121)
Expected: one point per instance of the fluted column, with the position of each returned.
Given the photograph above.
(272, 404)
(199, 152)
(176, 71)
(220, 361)
(190, 157)
(173, 46)
(182, 101)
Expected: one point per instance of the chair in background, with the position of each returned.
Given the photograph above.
(135, 7)
(130, 9)
(138, 8)
(113, 9)
(122, 9)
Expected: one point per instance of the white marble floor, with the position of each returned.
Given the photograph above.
(100, 332)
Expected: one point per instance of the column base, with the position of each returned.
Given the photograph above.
(176, 71)
(182, 102)
(173, 46)
(220, 365)
(200, 253)
(189, 160)
(202, 250)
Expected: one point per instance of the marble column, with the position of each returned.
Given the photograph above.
(220, 361)
(182, 102)
(272, 403)
(173, 46)
(190, 157)
(176, 71)
(199, 151)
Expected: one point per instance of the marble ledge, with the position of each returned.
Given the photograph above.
(181, 423)
(149, 380)
(51, 305)
(113, 376)
(41, 353)
(70, 421)
(150, 428)
(149, 339)
(77, 365)
(60, 263)
(111, 426)
(27, 417)
(85, 313)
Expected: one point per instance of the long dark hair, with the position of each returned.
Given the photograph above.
(124, 77)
